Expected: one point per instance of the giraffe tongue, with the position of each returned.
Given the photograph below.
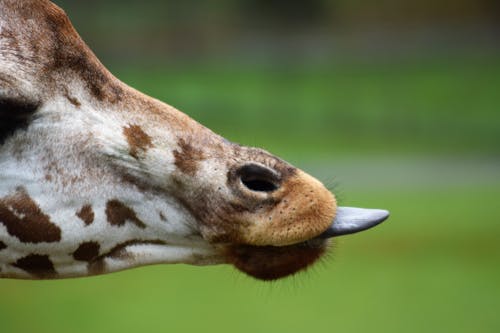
(349, 220)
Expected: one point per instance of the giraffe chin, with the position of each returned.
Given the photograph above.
(275, 262)
(270, 263)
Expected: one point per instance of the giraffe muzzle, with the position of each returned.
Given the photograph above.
(350, 220)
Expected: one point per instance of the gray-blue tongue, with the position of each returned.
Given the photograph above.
(349, 220)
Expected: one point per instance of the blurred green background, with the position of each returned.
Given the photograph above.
(393, 104)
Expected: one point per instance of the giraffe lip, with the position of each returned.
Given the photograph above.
(349, 220)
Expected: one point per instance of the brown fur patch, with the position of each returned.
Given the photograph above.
(87, 251)
(187, 159)
(73, 100)
(118, 213)
(137, 139)
(86, 214)
(37, 265)
(23, 219)
(119, 251)
(2, 246)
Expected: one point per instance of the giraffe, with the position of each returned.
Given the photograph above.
(96, 177)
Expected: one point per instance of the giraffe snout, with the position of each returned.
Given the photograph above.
(303, 209)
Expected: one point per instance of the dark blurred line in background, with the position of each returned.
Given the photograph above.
(260, 30)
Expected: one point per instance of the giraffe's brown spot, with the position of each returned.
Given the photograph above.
(187, 159)
(117, 214)
(139, 184)
(87, 251)
(73, 100)
(119, 251)
(23, 219)
(137, 139)
(2, 246)
(162, 217)
(37, 265)
(86, 214)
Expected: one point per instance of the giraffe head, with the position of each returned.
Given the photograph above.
(265, 214)
(253, 210)
(84, 139)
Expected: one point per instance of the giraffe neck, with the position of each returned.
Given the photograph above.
(79, 184)
(81, 215)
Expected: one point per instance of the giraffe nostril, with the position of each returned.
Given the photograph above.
(259, 185)
(259, 178)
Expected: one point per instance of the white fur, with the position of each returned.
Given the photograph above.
(93, 151)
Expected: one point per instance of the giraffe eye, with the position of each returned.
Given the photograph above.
(258, 178)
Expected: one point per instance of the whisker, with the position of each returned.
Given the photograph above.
(334, 186)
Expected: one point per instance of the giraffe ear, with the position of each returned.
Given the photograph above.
(16, 113)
